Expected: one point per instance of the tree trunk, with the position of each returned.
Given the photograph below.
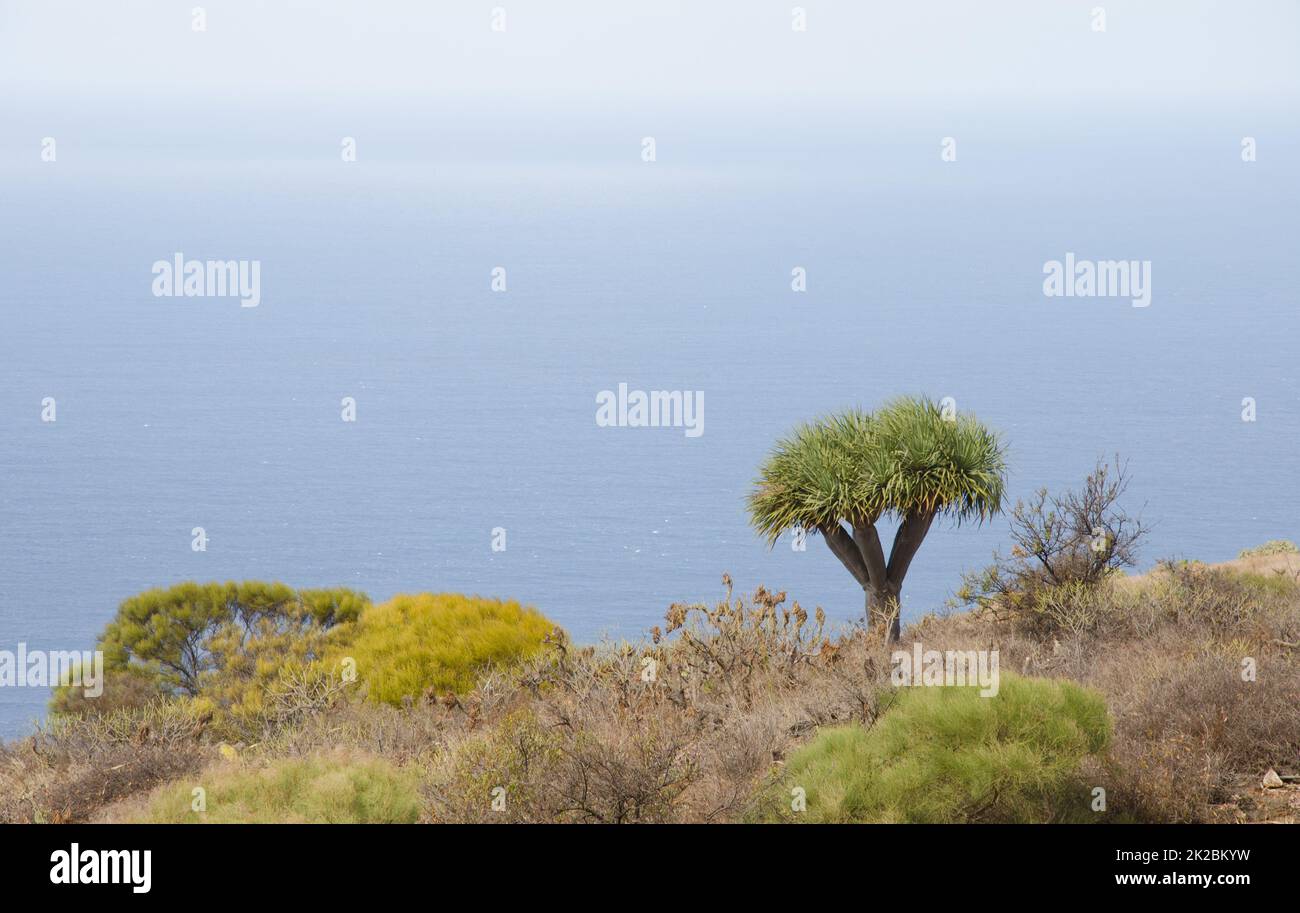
(885, 608)
(864, 557)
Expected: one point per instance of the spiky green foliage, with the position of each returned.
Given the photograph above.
(947, 754)
(438, 641)
(312, 790)
(905, 458)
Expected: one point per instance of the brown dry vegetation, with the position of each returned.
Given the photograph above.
(74, 767)
(692, 723)
(1169, 650)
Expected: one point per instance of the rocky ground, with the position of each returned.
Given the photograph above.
(1254, 803)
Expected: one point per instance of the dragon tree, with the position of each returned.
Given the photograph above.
(909, 461)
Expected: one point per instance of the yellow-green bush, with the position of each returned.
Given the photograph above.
(439, 641)
(946, 754)
(311, 790)
(1271, 547)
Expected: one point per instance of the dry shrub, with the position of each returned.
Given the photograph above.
(411, 733)
(530, 768)
(1218, 602)
(1189, 730)
(1060, 543)
(130, 688)
(1167, 650)
(72, 767)
(585, 735)
(691, 723)
(297, 694)
(681, 728)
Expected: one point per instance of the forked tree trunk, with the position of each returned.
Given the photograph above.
(885, 608)
(882, 581)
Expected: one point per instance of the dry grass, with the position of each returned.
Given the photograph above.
(693, 722)
(1200, 668)
(74, 767)
(680, 727)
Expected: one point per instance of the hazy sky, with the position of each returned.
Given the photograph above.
(654, 48)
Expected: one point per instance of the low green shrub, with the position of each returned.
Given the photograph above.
(319, 789)
(1271, 547)
(438, 641)
(946, 754)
